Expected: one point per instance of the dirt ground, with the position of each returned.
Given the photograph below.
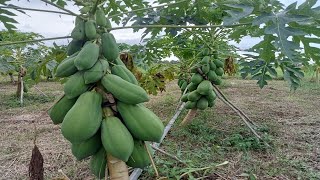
(292, 120)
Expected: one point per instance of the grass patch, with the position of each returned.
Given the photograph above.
(9, 101)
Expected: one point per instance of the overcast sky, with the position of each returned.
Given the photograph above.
(55, 25)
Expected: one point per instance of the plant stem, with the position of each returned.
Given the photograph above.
(32, 9)
(142, 9)
(179, 26)
(66, 10)
(93, 11)
(33, 40)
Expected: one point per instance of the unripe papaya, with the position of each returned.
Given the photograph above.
(196, 78)
(86, 148)
(194, 69)
(78, 33)
(204, 87)
(211, 96)
(219, 71)
(202, 103)
(75, 86)
(215, 54)
(190, 105)
(60, 109)
(192, 87)
(87, 57)
(205, 68)
(83, 120)
(123, 90)
(213, 66)
(142, 123)
(218, 63)
(194, 96)
(205, 60)
(66, 67)
(98, 163)
(124, 73)
(118, 61)
(97, 71)
(139, 157)
(101, 18)
(116, 138)
(181, 82)
(184, 85)
(218, 81)
(212, 76)
(74, 46)
(110, 48)
(90, 29)
(184, 98)
(211, 103)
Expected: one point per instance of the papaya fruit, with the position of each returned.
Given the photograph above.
(192, 87)
(184, 85)
(85, 9)
(87, 148)
(212, 76)
(87, 57)
(60, 109)
(194, 69)
(83, 120)
(219, 71)
(78, 32)
(204, 87)
(116, 138)
(194, 96)
(139, 157)
(218, 81)
(211, 103)
(98, 163)
(205, 60)
(184, 98)
(123, 90)
(202, 103)
(75, 86)
(90, 29)
(190, 105)
(181, 82)
(205, 52)
(196, 78)
(74, 46)
(96, 72)
(66, 67)
(211, 96)
(124, 73)
(213, 66)
(142, 123)
(205, 68)
(110, 48)
(218, 63)
(215, 54)
(118, 61)
(101, 18)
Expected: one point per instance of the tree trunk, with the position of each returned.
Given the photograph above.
(317, 74)
(191, 114)
(19, 87)
(12, 78)
(118, 170)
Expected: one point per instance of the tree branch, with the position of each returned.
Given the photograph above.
(32, 9)
(59, 7)
(33, 40)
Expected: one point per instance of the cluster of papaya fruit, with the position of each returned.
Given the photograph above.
(198, 89)
(95, 125)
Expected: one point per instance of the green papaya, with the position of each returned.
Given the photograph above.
(83, 120)
(101, 18)
(202, 103)
(98, 163)
(194, 69)
(184, 98)
(118, 61)
(139, 157)
(75, 86)
(60, 109)
(211, 96)
(67, 68)
(219, 71)
(194, 96)
(123, 90)
(212, 76)
(196, 78)
(215, 54)
(86, 148)
(124, 73)
(74, 46)
(116, 138)
(87, 57)
(184, 85)
(90, 29)
(142, 123)
(78, 33)
(110, 48)
(213, 66)
(181, 82)
(204, 87)
(205, 60)
(97, 71)
(85, 9)
(192, 87)
(205, 68)
(218, 63)
(205, 52)
(218, 81)
(211, 103)
(190, 105)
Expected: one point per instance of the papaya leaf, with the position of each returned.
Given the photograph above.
(238, 12)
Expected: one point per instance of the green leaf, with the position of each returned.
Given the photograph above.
(240, 11)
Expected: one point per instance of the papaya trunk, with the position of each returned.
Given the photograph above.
(189, 117)
(19, 87)
(317, 74)
(12, 78)
(118, 169)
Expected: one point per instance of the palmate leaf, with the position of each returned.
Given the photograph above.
(240, 11)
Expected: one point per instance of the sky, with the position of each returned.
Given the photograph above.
(56, 25)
